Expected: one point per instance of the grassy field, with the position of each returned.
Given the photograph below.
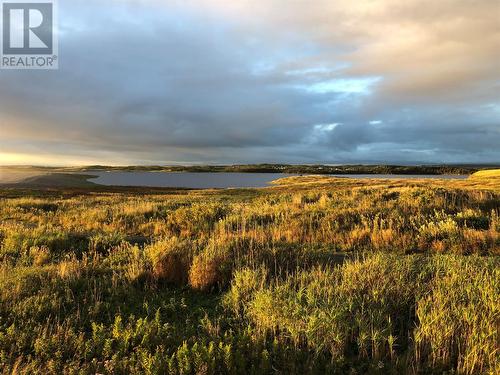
(314, 275)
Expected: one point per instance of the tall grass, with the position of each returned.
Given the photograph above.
(322, 277)
(379, 309)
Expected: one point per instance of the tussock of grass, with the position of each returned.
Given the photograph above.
(172, 259)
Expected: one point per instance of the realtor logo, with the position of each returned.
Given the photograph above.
(28, 35)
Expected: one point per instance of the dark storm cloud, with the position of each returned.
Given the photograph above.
(212, 81)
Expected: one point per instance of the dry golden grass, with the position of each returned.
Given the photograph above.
(492, 173)
(313, 275)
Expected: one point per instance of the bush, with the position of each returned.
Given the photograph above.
(171, 259)
(213, 266)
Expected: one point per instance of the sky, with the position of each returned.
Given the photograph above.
(255, 81)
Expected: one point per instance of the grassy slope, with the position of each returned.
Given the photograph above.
(486, 179)
(36, 177)
(488, 174)
(59, 180)
(248, 280)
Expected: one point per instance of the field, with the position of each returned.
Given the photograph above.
(314, 275)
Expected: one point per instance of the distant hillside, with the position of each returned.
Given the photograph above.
(304, 169)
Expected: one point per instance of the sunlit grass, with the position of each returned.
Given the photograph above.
(487, 174)
(316, 275)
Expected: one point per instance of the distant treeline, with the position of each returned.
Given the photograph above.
(308, 169)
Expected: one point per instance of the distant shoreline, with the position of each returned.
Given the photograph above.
(85, 182)
(444, 169)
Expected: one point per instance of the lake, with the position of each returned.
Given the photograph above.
(218, 180)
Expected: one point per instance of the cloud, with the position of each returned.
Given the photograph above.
(255, 81)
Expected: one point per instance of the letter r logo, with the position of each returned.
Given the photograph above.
(27, 28)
